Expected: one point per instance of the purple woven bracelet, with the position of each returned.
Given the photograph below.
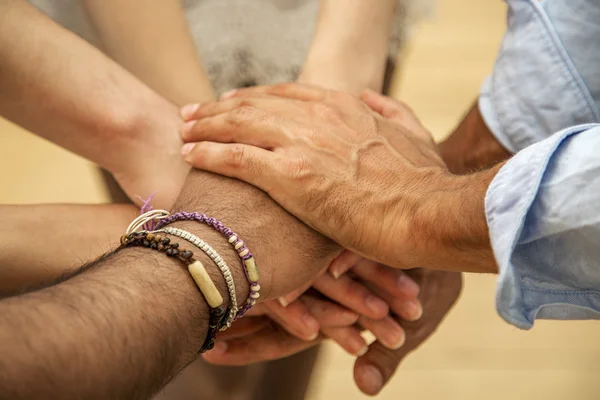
(246, 258)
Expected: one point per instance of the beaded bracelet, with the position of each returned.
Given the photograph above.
(217, 259)
(196, 269)
(248, 263)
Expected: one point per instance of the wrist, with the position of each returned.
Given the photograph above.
(452, 225)
(472, 146)
(220, 244)
(273, 236)
(349, 49)
(149, 156)
(343, 71)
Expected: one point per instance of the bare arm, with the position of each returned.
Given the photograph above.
(152, 40)
(112, 331)
(124, 327)
(245, 206)
(350, 45)
(60, 87)
(42, 242)
(471, 146)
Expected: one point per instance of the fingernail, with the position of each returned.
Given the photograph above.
(376, 305)
(283, 301)
(406, 284)
(372, 379)
(357, 346)
(414, 309)
(362, 351)
(187, 148)
(219, 349)
(336, 274)
(395, 339)
(188, 111)
(312, 326)
(228, 94)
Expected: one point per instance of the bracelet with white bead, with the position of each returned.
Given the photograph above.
(218, 260)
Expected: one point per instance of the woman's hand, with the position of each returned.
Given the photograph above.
(371, 183)
(256, 338)
(368, 296)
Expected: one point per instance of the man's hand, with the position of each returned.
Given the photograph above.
(255, 339)
(439, 292)
(324, 156)
(292, 256)
(375, 185)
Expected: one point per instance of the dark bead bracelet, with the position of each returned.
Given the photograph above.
(186, 257)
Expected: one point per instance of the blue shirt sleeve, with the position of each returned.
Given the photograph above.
(545, 78)
(543, 212)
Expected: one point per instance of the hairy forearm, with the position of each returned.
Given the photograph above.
(42, 242)
(124, 327)
(456, 220)
(452, 224)
(274, 236)
(158, 48)
(350, 45)
(472, 147)
(120, 329)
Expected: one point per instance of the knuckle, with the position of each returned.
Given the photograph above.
(244, 102)
(206, 126)
(204, 108)
(241, 115)
(298, 167)
(326, 111)
(236, 155)
(325, 308)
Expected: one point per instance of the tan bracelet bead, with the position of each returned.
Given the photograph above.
(244, 253)
(205, 284)
(252, 269)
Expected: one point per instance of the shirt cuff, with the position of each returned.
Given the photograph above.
(508, 201)
(535, 89)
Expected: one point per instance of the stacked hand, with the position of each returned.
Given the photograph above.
(330, 160)
(365, 299)
(257, 338)
(322, 178)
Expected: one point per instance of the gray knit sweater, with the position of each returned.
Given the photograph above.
(246, 42)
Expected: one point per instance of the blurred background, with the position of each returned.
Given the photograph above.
(475, 354)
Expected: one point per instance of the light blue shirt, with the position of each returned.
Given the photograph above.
(542, 102)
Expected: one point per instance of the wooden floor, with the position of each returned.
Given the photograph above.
(474, 355)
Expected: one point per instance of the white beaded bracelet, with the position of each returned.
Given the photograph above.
(217, 259)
